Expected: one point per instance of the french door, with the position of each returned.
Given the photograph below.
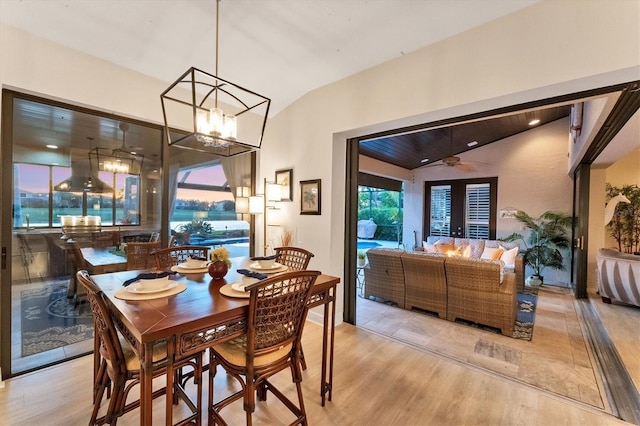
(461, 208)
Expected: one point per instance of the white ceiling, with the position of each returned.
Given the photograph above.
(280, 49)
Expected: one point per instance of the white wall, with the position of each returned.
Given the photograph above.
(548, 49)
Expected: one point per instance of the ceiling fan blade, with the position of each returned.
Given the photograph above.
(436, 164)
(465, 167)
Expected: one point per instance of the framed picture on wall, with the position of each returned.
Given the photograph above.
(284, 178)
(310, 197)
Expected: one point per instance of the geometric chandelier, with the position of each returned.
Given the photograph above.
(119, 160)
(207, 113)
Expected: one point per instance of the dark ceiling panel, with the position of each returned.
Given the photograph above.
(408, 150)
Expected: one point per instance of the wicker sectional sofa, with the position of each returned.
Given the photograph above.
(476, 290)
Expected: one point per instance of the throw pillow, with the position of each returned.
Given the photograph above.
(455, 252)
(467, 252)
(491, 253)
(509, 257)
(443, 248)
(429, 248)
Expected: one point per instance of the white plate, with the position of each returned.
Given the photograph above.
(186, 266)
(239, 286)
(181, 270)
(137, 288)
(257, 266)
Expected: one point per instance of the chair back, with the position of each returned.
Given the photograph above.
(77, 258)
(139, 255)
(297, 259)
(110, 348)
(170, 256)
(277, 311)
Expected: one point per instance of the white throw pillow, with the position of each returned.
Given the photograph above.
(429, 248)
(509, 257)
(491, 253)
(467, 251)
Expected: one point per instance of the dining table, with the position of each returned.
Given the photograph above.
(101, 260)
(195, 315)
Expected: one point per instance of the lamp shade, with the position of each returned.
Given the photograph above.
(273, 191)
(242, 204)
(255, 204)
(274, 217)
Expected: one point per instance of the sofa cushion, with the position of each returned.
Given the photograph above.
(477, 246)
(443, 240)
(504, 244)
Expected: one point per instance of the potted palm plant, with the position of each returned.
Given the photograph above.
(547, 240)
(361, 258)
(624, 226)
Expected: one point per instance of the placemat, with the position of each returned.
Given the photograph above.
(127, 295)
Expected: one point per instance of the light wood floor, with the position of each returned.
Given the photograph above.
(378, 381)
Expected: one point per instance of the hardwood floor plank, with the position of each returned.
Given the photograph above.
(377, 381)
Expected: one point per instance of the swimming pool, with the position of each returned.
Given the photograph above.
(367, 244)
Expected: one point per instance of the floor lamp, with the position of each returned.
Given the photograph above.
(271, 217)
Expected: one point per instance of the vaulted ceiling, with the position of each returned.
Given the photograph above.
(313, 43)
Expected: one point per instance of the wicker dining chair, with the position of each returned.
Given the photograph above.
(277, 311)
(119, 365)
(78, 263)
(297, 259)
(170, 256)
(140, 255)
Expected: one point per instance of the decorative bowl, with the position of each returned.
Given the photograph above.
(154, 284)
(267, 263)
(195, 263)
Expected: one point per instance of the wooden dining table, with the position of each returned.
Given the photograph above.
(101, 260)
(196, 319)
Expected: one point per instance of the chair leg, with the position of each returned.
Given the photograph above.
(98, 392)
(303, 363)
(212, 374)
(250, 397)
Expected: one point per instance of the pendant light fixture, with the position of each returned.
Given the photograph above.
(207, 113)
(119, 160)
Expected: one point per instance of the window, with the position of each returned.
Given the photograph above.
(461, 208)
(478, 208)
(40, 201)
(440, 220)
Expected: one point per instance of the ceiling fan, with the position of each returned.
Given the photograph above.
(452, 160)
